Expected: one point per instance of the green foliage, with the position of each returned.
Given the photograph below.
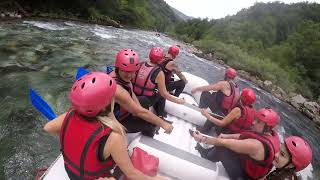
(149, 14)
(274, 41)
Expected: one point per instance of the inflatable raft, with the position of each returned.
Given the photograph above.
(178, 158)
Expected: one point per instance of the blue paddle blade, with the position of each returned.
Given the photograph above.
(109, 69)
(81, 72)
(41, 105)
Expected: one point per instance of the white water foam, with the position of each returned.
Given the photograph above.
(45, 25)
(102, 32)
(103, 35)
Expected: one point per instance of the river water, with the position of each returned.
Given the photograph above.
(46, 55)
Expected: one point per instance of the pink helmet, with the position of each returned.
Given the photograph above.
(301, 153)
(156, 55)
(91, 93)
(230, 73)
(127, 60)
(248, 96)
(174, 51)
(269, 116)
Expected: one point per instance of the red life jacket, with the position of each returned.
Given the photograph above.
(258, 169)
(167, 73)
(244, 122)
(80, 140)
(229, 102)
(120, 112)
(143, 85)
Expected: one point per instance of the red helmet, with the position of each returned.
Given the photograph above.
(269, 116)
(174, 51)
(300, 151)
(156, 55)
(248, 96)
(230, 73)
(91, 93)
(127, 60)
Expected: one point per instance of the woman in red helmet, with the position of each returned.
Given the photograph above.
(92, 140)
(249, 154)
(169, 68)
(149, 82)
(225, 96)
(295, 155)
(128, 110)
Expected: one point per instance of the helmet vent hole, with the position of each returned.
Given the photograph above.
(82, 85)
(125, 50)
(74, 88)
(110, 83)
(93, 80)
(124, 64)
(89, 111)
(126, 54)
(131, 50)
(294, 143)
(133, 54)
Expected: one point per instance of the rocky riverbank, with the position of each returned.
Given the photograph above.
(306, 106)
(15, 11)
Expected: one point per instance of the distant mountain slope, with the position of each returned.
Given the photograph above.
(181, 15)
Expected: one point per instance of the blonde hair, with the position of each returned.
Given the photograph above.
(111, 122)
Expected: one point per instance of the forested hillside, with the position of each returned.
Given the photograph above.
(275, 41)
(147, 14)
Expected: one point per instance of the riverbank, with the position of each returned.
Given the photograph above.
(15, 11)
(308, 107)
(47, 17)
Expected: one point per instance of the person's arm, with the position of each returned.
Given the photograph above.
(124, 99)
(117, 148)
(175, 69)
(53, 127)
(160, 80)
(136, 100)
(211, 87)
(229, 136)
(250, 147)
(234, 114)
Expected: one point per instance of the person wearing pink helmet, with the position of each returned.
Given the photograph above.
(295, 155)
(169, 68)
(225, 95)
(89, 128)
(149, 83)
(128, 109)
(249, 154)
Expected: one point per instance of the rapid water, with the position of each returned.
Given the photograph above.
(46, 55)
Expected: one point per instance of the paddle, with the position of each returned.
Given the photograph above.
(81, 71)
(41, 105)
(109, 69)
(194, 107)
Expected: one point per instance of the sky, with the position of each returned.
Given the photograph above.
(215, 9)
